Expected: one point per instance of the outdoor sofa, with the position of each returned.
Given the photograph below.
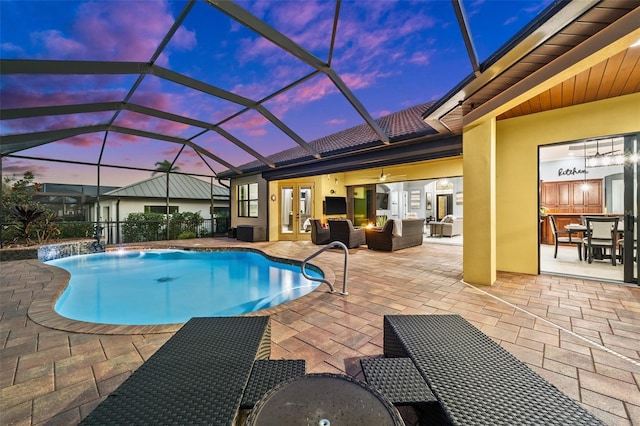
(385, 239)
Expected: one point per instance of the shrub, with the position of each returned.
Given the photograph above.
(187, 235)
(139, 227)
(33, 223)
(184, 222)
(76, 229)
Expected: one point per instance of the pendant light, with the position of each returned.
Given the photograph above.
(585, 185)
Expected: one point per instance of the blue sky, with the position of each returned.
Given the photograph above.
(391, 55)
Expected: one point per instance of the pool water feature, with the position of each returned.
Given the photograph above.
(171, 286)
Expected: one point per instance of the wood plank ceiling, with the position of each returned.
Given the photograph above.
(616, 76)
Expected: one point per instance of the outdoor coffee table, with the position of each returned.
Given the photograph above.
(324, 400)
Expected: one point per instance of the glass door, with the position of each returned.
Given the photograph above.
(296, 211)
(629, 245)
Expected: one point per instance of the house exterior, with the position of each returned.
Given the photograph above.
(572, 75)
(186, 194)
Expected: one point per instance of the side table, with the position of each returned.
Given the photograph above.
(325, 400)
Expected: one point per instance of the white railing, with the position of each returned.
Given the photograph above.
(322, 280)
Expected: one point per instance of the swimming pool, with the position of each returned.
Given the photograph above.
(171, 286)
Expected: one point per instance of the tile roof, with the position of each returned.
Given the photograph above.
(180, 186)
(400, 126)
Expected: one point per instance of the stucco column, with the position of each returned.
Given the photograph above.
(479, 225)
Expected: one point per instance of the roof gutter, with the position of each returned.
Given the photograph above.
(380, 156)
(557, 16)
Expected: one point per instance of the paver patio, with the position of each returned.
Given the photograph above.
(582, 336)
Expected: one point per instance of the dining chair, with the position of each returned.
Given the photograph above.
(601, 234)
(562, 236)
(621, 245)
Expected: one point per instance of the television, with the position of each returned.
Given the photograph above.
(335, 205)
(382, 201)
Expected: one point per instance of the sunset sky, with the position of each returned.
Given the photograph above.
(391, 55)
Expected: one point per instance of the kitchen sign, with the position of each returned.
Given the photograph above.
(571, 172)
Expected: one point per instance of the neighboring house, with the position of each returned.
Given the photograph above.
(70, 201)
(186, 194)
(572, 75)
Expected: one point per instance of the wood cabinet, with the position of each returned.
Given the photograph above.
(568, 200)
(571, 197)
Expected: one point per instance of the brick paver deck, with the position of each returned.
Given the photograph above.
(582, 336)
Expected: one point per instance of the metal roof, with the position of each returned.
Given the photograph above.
(401, 126)
(180, 187)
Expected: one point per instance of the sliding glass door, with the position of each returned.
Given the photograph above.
(630, 234)
(597, 177)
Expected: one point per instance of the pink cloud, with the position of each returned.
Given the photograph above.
(250, 123)
(381, 113)
(12, 167)
(336, 121)
(108, 31)
(34, 91)
(11, 48)
(151, 124)
(510, 20)
(84, 141)
(419, 58)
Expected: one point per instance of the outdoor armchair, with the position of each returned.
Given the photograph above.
(343, 231)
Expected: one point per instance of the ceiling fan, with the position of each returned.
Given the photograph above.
(385, 177)
(590, 145)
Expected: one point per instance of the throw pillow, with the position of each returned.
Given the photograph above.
(449, 218)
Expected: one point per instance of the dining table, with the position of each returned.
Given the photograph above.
(578, 228)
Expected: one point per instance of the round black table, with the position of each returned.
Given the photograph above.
(324, 400)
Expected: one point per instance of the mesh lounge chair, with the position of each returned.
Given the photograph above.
(343, 231)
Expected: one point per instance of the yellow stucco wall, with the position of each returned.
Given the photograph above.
(479, 247)
(517, 142)
(323, 184)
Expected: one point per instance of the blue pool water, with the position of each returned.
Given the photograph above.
(171, 286)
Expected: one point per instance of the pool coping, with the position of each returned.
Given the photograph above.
(42, 312)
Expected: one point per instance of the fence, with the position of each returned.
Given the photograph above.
(131, 232)
(140, 231)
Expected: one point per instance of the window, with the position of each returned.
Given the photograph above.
(248, 200)
(161, 209)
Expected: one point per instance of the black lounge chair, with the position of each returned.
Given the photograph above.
(475, 380)
(202, 375)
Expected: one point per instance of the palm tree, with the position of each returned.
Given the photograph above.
(165, 166)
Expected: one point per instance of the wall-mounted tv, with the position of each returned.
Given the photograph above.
(382, 200)
(335, 205)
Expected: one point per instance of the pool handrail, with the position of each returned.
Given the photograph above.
(322, 280)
